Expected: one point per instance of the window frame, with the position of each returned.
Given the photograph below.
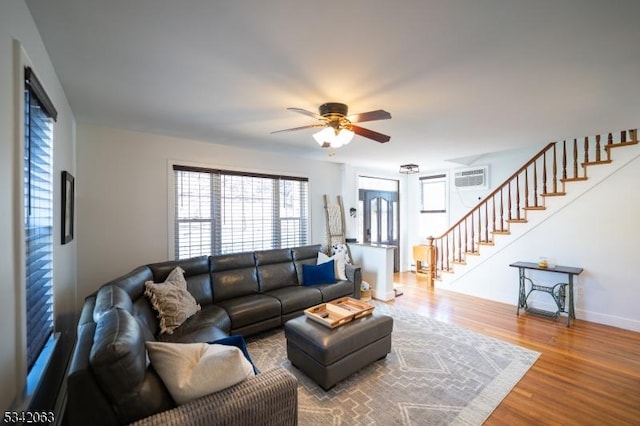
(439, 178)
(173, 165)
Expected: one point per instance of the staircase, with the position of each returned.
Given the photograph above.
(548, 174)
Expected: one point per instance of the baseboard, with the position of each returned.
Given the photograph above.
(611, 320)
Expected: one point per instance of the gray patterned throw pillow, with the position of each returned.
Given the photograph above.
(171, 300)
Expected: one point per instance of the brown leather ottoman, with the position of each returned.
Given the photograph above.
(329, 355)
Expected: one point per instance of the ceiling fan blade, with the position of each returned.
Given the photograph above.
(378, 137)
(379, 114)
(309, 126)
(305, 112)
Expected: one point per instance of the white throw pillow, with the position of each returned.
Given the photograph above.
(339, 263)
(193, 370)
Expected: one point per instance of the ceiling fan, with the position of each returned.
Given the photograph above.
(337, 127)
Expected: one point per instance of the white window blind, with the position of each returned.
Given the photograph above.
(220, 211)
(38, 213)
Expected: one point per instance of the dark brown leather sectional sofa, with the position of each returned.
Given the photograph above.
(111, 381)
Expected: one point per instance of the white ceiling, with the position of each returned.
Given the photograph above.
(460, 77)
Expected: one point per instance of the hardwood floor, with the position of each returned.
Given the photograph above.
(588, 374)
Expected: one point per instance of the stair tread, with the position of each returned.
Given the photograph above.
(516, 220)
(595, 163)
(501, 232)
(574, 179)
(616, 145)
(553, 194)
(535, 208)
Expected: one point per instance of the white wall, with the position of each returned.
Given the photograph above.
(16, 24)
(122, 195)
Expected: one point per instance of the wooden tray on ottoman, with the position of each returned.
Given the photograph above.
(329, 315)
(359, 308)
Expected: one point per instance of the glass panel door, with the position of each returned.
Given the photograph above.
(380, 219)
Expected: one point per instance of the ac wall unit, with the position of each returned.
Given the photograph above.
(473, 178)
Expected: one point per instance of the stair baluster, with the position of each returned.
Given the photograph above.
(564, 160)
(518, 197)
(535, 183)
(509, 217)
(586, 153)
(555, 171)
(544, 172)
(486, 222)
(493, 206)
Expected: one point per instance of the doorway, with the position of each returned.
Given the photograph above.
(379, 205)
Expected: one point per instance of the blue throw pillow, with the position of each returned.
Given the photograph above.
(238, 342)
(318, 274)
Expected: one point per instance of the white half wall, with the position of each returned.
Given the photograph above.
(122, 195)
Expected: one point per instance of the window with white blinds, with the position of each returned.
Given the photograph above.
(39, 115)
(219, 211)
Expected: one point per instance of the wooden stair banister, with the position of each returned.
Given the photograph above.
(471, 231)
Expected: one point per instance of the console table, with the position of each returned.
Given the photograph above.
(557, 291)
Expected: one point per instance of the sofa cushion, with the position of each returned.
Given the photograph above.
(318, 274)
(83, 390)
(118, 361)
(275, 269)
(109, 297)
(171, 300)
(307, 255)
(211, 316)
(199, 335)
(306, 252)
(118, 355)
(133, 282)
(233, 275)
(133, 285)
(335, 291)
(147, 317)
(193, 370)
(193, 266)
(296, 298)
(250, 309)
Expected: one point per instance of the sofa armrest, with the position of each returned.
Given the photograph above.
(270, 398)
(354, 274)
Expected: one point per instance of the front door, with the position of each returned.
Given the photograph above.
(380, 219)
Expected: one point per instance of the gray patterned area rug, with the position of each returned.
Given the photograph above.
(436, 374)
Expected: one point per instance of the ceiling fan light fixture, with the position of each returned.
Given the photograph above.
(324, 135)
(334, 138)
(344, 136)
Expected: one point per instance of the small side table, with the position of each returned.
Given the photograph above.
(557, 291)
